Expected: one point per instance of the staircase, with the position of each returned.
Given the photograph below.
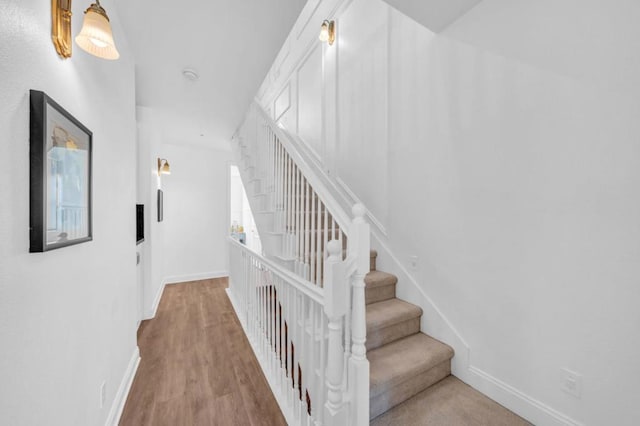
(403, 361)
(336, 345)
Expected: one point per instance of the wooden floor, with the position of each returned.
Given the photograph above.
(197, 367)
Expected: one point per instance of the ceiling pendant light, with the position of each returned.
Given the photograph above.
(96, 37)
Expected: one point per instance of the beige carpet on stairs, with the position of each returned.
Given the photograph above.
(449, 402)
(410, 372)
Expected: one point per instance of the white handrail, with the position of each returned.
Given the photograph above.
(308, 291)
(341, 215)
(313, 292)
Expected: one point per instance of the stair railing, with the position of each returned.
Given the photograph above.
(302, 304)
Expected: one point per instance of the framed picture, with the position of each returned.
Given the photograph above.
(60, 177)
(160, 205)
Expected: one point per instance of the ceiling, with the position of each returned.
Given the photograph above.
(434, 14)
(230, 43)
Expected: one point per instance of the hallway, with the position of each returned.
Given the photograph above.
(197, 367)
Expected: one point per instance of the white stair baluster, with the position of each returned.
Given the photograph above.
(335, 411)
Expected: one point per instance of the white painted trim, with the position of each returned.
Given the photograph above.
(285, 408)
(195, 277)
(314, 7)
(517, 401)
(312, 50)
(156, 302)
(228, 212)
(278, 114)
(123, 390)
(353, 199)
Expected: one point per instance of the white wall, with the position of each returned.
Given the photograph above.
(504, 154)
(151, 251)
(67, 317)
(190, 243)
(196, 212)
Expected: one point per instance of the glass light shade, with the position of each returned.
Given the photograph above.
(324, 31)
(163, 167)
(96, 37)
(328, 32)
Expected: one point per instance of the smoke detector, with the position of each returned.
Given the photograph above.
(190, 74)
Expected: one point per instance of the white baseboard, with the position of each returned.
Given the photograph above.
(517, 401)
(195, 277)
(123, 390)
(181, 279)
(156, 302)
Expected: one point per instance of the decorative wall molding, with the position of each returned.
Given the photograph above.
(312, 5)
(433, 321)
(281, 58)
(298, 47)
(123, 390)
(282, 103)
(302, 71)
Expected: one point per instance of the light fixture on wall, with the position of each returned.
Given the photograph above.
(61, 27)
(96, 36)
(328, 31)
(163, 167)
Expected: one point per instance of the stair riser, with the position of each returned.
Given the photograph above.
(378, 294)
(382, 336)
(403, 391)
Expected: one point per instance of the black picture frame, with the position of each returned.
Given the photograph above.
(139, 223)
(60, 180)
(160, 205)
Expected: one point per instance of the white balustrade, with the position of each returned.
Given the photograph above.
(302, 305)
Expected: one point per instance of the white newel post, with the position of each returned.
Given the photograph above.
(358, 363)
(335, 287)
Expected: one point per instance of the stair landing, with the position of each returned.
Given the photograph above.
(449, 402)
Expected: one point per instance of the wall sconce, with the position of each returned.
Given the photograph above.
(61, 27)
(328, 31)
(96, 36)
(163, 167)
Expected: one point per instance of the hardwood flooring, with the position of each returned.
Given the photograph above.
(197, 367)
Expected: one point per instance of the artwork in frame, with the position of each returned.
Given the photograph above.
(60, 177)
(160, 205)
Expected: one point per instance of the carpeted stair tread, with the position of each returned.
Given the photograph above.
(379, 286)
(372, 260)
(375, 279)
(449, 402)
(397, 362)
(391, 320)
(390, 312)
